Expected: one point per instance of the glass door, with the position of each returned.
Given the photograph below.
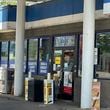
(44, 56)
(64, 64)
(68, 69)
(64, 60)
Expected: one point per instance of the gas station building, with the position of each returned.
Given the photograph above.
(54, 32)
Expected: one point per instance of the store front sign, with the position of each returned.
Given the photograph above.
(106, 7)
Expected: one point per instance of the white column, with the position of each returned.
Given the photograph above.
(19, 50)
(88, 52)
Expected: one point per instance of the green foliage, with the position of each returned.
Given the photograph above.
(103, 42)
(8, 2)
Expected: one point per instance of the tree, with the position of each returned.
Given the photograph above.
(8, 2)
(103, 42)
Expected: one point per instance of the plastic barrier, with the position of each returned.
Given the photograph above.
(48, 92)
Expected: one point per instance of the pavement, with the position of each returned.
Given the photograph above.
(8, 102)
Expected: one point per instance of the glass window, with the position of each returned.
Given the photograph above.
(80, 55)
(103, 45)
(62, 41)
(103, 58)
(12, 55)
(4, 54)
(33, 52)
(25, 54)
(45, 56)
(44, 49)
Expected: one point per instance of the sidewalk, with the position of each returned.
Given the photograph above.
(8, 102)
(11, 97)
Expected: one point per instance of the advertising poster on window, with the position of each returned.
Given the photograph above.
(95, 56)
(58, 53)
(58, 60)
(43, 67)
(68, 82)
(32, 66)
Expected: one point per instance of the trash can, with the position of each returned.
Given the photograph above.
(34, 90)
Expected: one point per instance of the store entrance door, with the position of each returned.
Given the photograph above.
(64, 63)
